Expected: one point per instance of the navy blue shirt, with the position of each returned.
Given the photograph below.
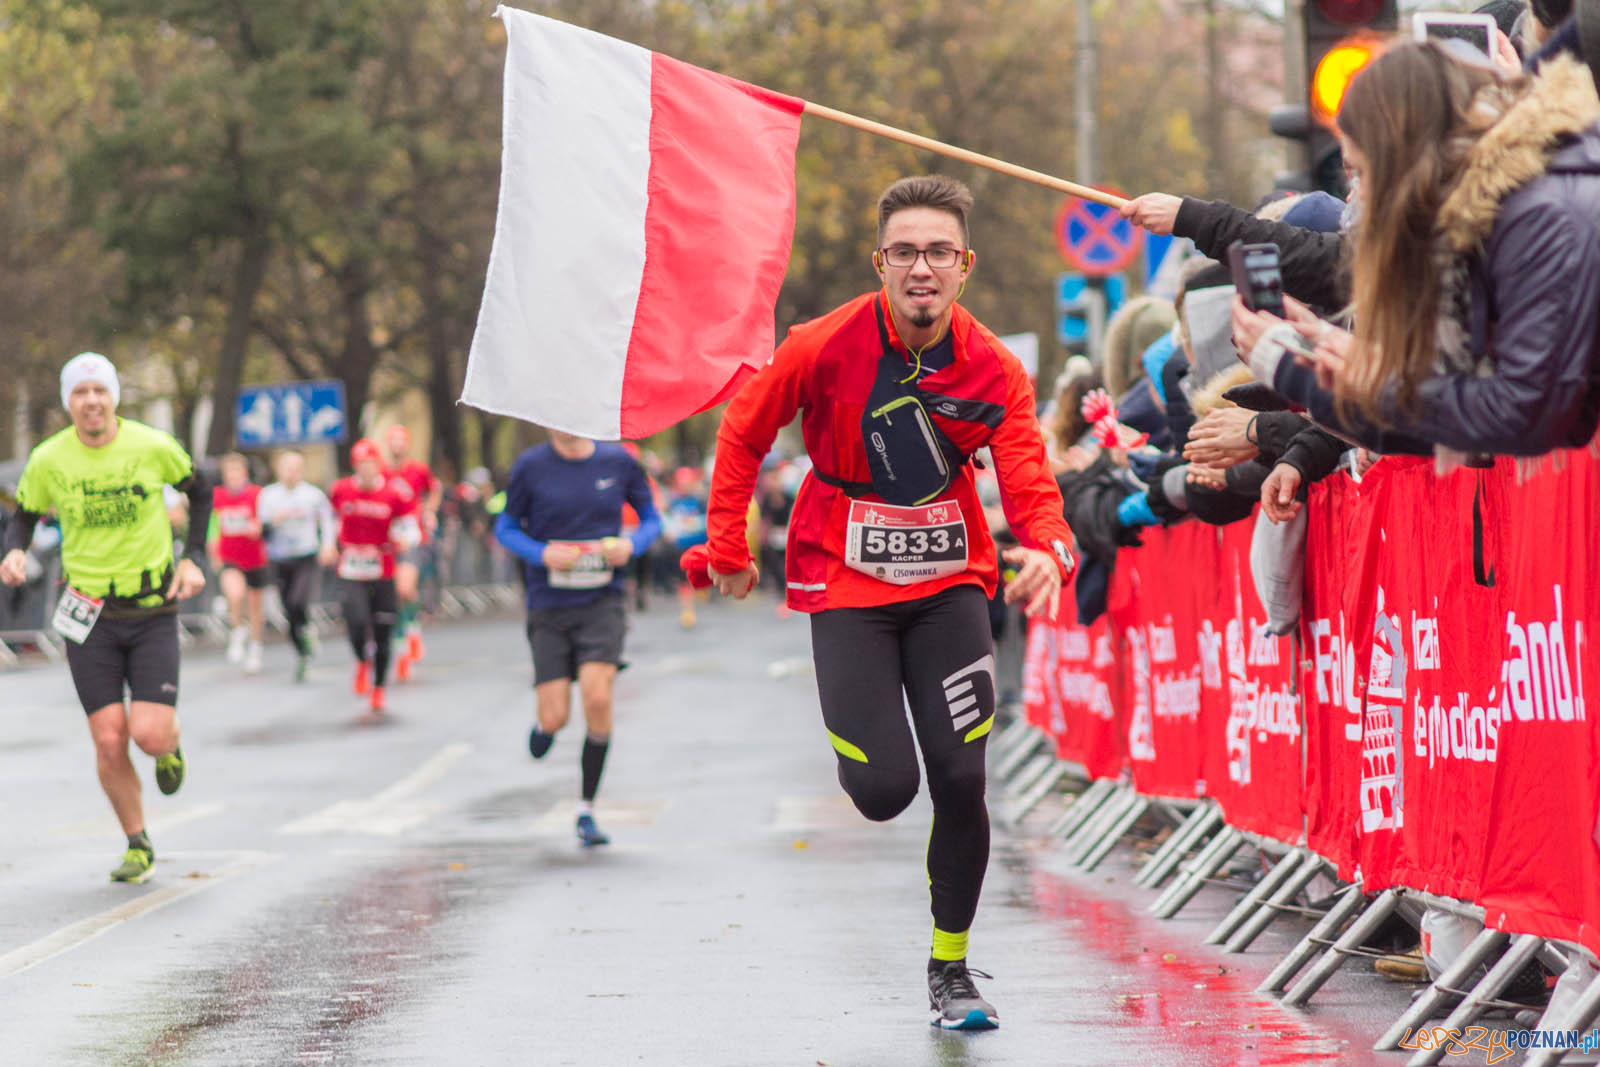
(549, 498)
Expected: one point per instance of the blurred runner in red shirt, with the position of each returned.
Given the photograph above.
(240, 553)
(377, 522)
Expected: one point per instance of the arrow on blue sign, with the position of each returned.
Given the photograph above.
(293, 413)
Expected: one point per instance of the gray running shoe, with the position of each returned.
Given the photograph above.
(953, 1001)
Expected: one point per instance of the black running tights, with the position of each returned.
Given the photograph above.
(938, 652)
(297, 579)
(369, 613)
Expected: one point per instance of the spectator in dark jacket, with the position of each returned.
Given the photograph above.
(1489, 345)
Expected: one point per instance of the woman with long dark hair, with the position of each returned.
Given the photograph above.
(1475, 264)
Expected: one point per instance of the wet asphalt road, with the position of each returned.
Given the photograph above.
(411, 893)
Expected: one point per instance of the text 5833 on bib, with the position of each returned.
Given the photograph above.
(906, 545)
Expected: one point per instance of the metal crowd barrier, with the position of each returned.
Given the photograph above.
(1099, 813)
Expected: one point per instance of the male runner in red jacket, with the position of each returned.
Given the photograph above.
(888, 547)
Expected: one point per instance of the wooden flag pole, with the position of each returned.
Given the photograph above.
(978, 159)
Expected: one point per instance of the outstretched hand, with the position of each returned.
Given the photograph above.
(1156, 212)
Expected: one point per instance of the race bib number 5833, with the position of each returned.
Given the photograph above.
(902, 545)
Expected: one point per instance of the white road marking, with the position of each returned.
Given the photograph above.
(804, 813)
(607, 813)
(684, 665)
(70, 937)
(794, 666)
(390, 812)
(159, 818)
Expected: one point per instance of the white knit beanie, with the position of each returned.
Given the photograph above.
(89, 367)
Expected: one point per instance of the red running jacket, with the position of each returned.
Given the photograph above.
(825, 369)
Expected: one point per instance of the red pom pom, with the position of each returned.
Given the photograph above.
(1097, 405)
(694, 562)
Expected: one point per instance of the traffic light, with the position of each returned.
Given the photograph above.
(1341, 37)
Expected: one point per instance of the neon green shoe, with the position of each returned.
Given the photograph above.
(169, 771)
(137, 865)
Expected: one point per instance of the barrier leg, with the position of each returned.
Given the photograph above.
(1203, 866)
(1018, 811)
(1554, 956)
(1310, 866)
(1580, 1018)
(1440, 991)
(1200, 822)
(1523, 948)
(1019, 755)
(46, 641)
(1024, 779)
(1350, 902)
(1084, 840)
(1081, 807)
(1380, 909)
(449, 606)
(1252, 900)
(1113, 834)
(1015, 731)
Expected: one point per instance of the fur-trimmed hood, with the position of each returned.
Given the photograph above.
(1533, 137)
(1208, 397)
(1546, 129)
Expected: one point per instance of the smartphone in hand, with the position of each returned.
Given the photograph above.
(1256, 276)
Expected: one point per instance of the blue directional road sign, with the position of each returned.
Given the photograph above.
(1072, 325)
(1072, 307)
(293, 413)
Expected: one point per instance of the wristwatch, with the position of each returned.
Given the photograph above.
(1063, 558)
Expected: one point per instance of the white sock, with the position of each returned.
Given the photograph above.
(585, 808)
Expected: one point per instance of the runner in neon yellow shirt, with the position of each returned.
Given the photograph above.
(103, 477)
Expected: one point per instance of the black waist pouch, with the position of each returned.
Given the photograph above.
(912, 461)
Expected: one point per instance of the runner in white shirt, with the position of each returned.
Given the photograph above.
(299, 527)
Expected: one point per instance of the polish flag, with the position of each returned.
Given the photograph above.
(646, 213)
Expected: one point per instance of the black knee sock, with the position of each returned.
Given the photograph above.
(593, 762)
(539, 742)
(359, 636)
(380, 652)
(296, 615)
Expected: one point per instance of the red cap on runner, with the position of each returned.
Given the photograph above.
(366, 448)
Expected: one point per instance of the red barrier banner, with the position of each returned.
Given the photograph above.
(1153, 600)
(1542, 868)
(1432, 726)
(1332, 683)
(1070, 685)
(1250, 701)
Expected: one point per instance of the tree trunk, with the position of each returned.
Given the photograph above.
(357, 355)
(248, 277)
(486, 427)
(447, 444)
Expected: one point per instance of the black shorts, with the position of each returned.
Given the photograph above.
(564, 638)
(136, 651)
(254, 578)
